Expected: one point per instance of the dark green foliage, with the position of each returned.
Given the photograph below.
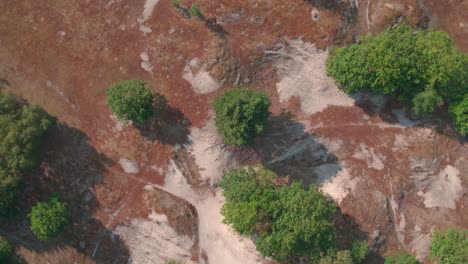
(241, 115)
(6, 251)
(131, 101)
(359, 251)
(401, 258)
(341, 257)
(459, 111)
(49, 218)
(195, 11)
(450, 247)
(22, 127)
(290, 221)
(419, 68)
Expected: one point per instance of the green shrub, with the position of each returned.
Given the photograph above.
(49, 218)
(459, 111)
(22, 128)
(195, 11)
(289, 221)
(6, 251)
(359, 251)
(422, 69)
(175, 3)
(341, 257)
(241, 115)
(401, 258)
(131, 101)
(450, 247)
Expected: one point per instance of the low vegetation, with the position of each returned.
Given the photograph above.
(195, 11)
(49, 218)
(423, 69)
(131, 101)
(241, 115)
(290, 221)
(401, 258)
(22, 127)
(450, 247)
(6, 251)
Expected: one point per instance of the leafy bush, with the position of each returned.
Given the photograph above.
(419, 68)
(241, 115)
(49, 218)
(289, 221)
(6, 251)
(195, 11)
(341, 257)
(450, 247)
(359, 251)
(401, 258)
(459, 111)
(131, 101)
(175, 3)
(22, 128)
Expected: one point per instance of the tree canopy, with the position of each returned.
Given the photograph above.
(6, 251)
(290, 221)
(49, 218)
(22, 127)
(241, 115)
(450, 247)
(401, 258)
(423, 69)
(131, 101)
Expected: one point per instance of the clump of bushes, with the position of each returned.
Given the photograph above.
(450, 247)
(423, 69)
(131, 101)
(49, 218)
(22, 127)
(6, 251)
(241, 115)
(401, 258)
(195, 11)
(290, 221)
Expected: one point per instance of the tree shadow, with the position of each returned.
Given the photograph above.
(70, 167)
(169, 125)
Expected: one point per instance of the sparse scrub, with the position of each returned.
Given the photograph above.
(6, 251)
(289, 221)
(22, 127)
(195, 11)
(401, 258)
(175, 3)
(450, 247)
(241, 115)
(131, 101)
(423, 69)
(49, 218)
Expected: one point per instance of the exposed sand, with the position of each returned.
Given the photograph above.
(129, 166)
(145, 63)
(374, 160)
(199, 78)
(338, 186)
(146, 14)
(303, 74)
(445, 190)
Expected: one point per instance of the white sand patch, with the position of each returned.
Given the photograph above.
(339, 186)
(421, 243)
(207, 147)
(129, 166)
(199, 78)
(219, 242)
(303, 74)
(400, 143)
(154, 241)
(368, 154)
(119, 124)
(444, 190)
(146, 14)
(145, 63)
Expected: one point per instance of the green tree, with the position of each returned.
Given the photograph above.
(401, 258)
(341, 257)
(459, 111)
(359, 250)
(420, 68)
(49, 218)
(131, 101)
(241, 115)
(22, 127)
(289, 221)
(195, 11)
(6, 251)
(450, 247)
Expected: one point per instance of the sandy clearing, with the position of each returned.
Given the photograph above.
(145, 63)
(196, 74)
(219, 242)
(302, 71)
(148, 9)
(129, 166)
(445, 190)
(154, 241)
(421, 243)
(374, 160)
(339, 186)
